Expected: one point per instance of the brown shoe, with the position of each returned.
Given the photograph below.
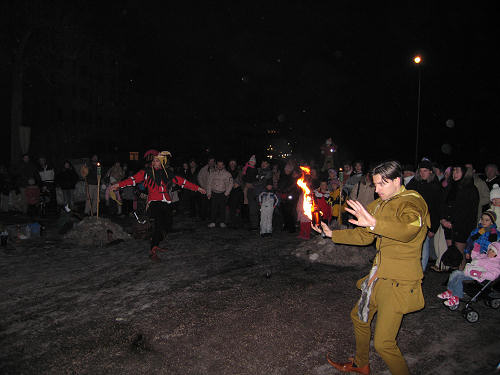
(349, 366)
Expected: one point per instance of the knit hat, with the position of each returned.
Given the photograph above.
(495, 192)
(495, 247)
(491, 215)
(459, 165)
(425, 164)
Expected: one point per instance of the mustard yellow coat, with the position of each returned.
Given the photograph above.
(402, 223)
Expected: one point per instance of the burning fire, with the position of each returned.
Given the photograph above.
(308, 203)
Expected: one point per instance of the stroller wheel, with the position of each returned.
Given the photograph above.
(495, 303)
(471, 316)
(453, 307)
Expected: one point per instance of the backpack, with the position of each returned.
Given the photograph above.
(452, 257)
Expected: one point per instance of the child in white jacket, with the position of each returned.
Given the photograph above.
(268, 200)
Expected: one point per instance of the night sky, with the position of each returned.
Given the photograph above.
(314, 70)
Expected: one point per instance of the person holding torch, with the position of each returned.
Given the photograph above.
(398, 221)
(158, 182)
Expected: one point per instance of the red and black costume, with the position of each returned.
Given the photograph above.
(158, 183)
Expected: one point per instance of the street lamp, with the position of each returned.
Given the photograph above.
(418, 60)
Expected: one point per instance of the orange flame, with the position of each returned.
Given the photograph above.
(307, 203)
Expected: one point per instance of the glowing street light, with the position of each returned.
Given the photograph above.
(418, 60)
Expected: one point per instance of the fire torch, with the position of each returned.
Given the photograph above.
(316, 219)
(341, 180)
(308, 206)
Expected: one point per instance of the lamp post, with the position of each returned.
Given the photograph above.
(418, 60)
(98, 186)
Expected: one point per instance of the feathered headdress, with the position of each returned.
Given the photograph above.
(163, 157)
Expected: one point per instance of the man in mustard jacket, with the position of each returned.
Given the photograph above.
(398, 221)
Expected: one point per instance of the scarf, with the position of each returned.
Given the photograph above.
(482, 237)
(247, 165)
(366, 292)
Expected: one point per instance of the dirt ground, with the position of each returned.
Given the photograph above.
(222, 301)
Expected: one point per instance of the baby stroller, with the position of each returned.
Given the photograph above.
(488, 291)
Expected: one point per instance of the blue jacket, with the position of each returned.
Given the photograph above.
(481, 241)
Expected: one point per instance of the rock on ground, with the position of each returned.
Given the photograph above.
(93, 231)
(324, 251)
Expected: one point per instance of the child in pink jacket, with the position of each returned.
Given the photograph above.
(483, 267)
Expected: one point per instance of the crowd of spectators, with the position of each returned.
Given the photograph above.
(260, 195)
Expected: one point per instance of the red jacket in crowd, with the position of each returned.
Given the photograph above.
(32, 194)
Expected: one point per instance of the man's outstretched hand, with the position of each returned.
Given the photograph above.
(364, 219)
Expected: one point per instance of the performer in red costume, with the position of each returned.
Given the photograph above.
(158, 182)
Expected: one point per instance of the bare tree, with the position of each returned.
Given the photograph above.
(35, 37)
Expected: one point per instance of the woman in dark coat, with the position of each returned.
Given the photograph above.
(428, 187)
(459, 208)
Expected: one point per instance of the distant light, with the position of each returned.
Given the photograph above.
(417, 59)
